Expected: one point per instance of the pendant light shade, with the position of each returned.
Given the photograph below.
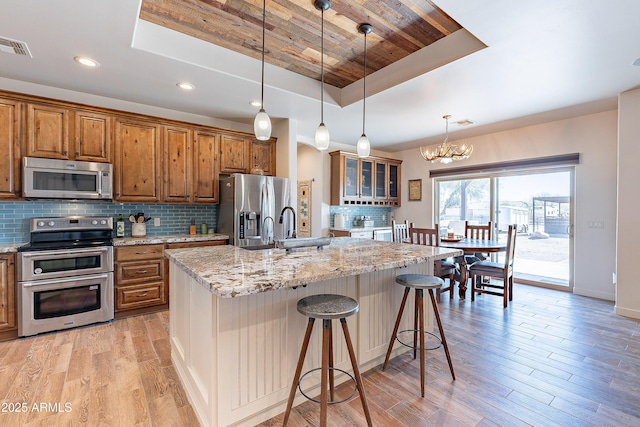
(363, 146)
(322, 133)
(262, 125)
(322, 137)
(262, 122)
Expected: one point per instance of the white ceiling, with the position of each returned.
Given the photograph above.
(544, 60)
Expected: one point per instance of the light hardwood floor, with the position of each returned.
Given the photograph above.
(550, 359)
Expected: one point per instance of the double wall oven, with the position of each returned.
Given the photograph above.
(65, 274)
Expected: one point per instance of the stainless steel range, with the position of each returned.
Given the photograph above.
(65, 274)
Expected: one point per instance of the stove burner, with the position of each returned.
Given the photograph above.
(69, 233)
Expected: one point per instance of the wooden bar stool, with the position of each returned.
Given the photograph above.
(327, 307)
(419, 282)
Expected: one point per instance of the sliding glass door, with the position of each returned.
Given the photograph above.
(539, 202)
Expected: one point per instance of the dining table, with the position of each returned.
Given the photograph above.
(469, 247)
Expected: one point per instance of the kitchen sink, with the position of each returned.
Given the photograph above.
(259, 247)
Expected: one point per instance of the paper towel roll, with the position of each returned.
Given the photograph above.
(338, 220)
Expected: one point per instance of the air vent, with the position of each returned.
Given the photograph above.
(14, 46)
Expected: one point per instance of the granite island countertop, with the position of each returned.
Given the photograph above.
(229, 271)
(174, 238)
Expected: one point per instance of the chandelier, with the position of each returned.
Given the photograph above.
(446, 152)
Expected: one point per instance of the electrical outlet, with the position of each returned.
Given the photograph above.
(156, 222)
(384, 217)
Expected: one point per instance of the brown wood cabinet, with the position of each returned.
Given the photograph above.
(47, 131)
(7, 295)
(177, 164)
(368, 181)
(92, 136)
(240, 154)
(137, 161)
(154, 160)
(10, 135)
(206, 164)
(234, 154)
(262, 155)
(140, 279)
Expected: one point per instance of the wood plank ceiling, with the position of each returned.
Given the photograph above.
(293, 31)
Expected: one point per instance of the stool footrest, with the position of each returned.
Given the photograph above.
(329, 402)
(417, 347)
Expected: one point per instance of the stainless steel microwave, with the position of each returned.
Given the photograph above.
(66, 179)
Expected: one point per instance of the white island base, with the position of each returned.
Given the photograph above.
(236, 356)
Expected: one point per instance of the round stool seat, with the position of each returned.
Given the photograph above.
(419, 281)
(328, 306)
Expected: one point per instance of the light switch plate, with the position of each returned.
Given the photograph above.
(156, 222)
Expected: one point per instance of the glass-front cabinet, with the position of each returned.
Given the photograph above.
(369, 181)
(394, 183)
(350, 177)
(381, 180)
(366, 179)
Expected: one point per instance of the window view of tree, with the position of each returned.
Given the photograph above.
(463, 200)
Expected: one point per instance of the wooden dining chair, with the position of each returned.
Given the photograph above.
(502, 271)
(476, 231)
(442, 268)
(400, 231)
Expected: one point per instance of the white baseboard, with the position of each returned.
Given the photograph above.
(628, 312)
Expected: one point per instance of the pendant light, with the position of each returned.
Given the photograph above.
(363, 146)
(262, 122)
(322, 133)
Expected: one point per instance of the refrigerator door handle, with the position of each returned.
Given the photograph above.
(265, 213)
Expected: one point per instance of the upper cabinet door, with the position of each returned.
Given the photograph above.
(351, 177)
(381, 180)
(10, 184)
(263, 155)
(92, 137)
(394, 184)
(47, 131)
(366, 178)
(177, 164)
(233, 154)
(137, 161)
(205, 167)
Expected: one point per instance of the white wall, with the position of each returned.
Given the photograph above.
(595, 138)
(310, 167)
(628, 248)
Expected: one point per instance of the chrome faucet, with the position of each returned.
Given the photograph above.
(273, 223)
(293, 236)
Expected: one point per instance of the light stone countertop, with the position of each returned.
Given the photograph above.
(7, 248)
(360, 228)
(229, 271)
(130, 241)
(175, 238)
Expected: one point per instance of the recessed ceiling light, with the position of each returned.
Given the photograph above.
(185, 85)
(255, 103)
(637, 62)
(465, 122)
(86, 61)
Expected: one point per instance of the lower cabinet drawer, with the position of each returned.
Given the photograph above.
(132, 272)
(136, 296)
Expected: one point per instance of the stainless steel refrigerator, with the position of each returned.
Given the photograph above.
(250, 209)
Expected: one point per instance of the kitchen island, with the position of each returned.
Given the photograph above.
(236, 333)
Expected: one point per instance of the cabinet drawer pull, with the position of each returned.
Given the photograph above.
(142, 253)
(142, 295)
(141, 271)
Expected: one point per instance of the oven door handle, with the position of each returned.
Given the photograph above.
(56, 253)
(46, 282)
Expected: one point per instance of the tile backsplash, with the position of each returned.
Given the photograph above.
(174, 219)
(351, 212)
